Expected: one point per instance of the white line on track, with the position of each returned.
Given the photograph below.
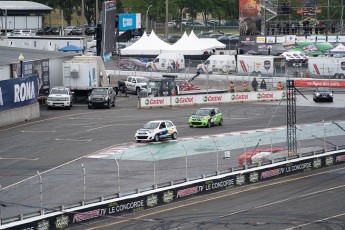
(100, 127)
(58, 139)
(37, 131)
(24, 159)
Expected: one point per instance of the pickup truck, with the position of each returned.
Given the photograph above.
(60, 96)
(133, 84)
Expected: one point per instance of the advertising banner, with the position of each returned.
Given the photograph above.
(320, 83)
(18, 92)
(37, 67)
(185, 100)
(155, 102)
(129, 21)
(108, 17)
(250, 17)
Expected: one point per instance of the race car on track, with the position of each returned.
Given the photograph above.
(206, 117)
(156, 130)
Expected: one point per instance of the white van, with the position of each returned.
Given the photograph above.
(218, 63)
(169, 62)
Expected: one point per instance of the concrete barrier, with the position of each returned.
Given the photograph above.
(20, 114)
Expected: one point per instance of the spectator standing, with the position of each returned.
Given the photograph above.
(232, 87)
(255, 84)
(263, 85)
(293, 28)
(298, 26)
(245, 87)
(173, 64)
(267, 29)
(280, 86)
(333, 27)
(279, 28)
(273, 28)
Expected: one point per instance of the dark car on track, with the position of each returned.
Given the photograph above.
(131, 64)
(90, 30)
(323, 94)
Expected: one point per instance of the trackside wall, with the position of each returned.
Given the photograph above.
(174, 193)
(204, 99)
(20, 114)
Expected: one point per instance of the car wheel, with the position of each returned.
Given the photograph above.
(191, 126)
(49, 107)
(174, 136)
(221, 121)
(149, 69)
(331, 100)
(156, 138)
(89, 107)
(68, 107)
(208, 124)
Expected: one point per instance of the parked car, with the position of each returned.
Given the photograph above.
(131, 64)
(77, 31)
(61, 97)
(69, 29)
(206, 117)
(156, 131)
(323, 94)
(174, 38)
(40, 32)
(90, 30)
(101, 97)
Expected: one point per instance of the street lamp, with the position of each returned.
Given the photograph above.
(147, 17)
(21, 59)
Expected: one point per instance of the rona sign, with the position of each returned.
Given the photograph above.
(18, 92)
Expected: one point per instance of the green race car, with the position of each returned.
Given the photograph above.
(206, 117)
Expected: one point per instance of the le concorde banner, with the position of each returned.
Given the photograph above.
(320, 83)
(143, 202)
(18, 92)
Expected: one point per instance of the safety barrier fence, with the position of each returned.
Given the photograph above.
(130, 178)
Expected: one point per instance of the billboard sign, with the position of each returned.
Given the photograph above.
(129, 22)
(18, 92)
(109, 17)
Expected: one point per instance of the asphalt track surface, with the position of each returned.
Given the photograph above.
(60, 136)
(305, 201)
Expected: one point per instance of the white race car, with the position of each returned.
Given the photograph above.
(156, 130)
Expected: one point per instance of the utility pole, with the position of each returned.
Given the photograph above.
(166, 18)
(82, 17)
(97, 13)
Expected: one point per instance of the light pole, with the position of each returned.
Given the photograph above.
(147, 17)
(21, 59)
(166, 18)
(324, 135)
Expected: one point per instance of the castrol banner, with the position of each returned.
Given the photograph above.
(203, 99)
(320, 83)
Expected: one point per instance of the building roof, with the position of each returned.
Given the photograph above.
(10, 55)
(23, 5)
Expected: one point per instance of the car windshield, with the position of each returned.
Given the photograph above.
(59, 91)
(151, 125)
(99, 92)
(203, 112)
(143, 80)
(324, 90)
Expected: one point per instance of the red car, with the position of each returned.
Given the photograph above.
(186, 86)
(248, 155)
(131, 64)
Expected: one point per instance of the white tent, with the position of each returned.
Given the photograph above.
(339, 49)
(186, 46)
(146, 45)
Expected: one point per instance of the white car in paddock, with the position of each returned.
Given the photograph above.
(156, 131)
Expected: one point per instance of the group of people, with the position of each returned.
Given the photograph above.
(255, 84)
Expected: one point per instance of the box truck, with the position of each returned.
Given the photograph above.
(258, 65)
(331, 67)
(83, 73)
(218, 63)
(167, 62)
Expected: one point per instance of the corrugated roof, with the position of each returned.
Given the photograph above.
(23, 5)
(10, 55)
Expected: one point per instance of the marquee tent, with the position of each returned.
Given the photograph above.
(146, 45)
(339, 49)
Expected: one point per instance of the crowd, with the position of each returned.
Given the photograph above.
(254, 86)
(297, 28)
